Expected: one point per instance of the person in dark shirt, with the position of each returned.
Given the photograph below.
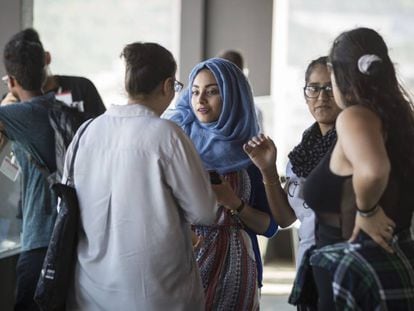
(72, 90)
(26, 124)
(367, 175)
(361, 191)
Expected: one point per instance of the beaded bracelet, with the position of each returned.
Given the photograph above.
(368, 213)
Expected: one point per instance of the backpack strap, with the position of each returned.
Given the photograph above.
(70, 178)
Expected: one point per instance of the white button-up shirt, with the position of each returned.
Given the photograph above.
(140, 183)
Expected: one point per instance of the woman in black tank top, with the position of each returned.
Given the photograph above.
(362, 189)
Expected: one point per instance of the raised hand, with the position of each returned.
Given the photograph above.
(262, 151)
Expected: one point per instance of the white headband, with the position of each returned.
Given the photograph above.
(365, 61)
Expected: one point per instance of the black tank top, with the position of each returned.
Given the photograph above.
(323, 189)
(327, 193)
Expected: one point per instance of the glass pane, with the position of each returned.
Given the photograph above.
(85, 38)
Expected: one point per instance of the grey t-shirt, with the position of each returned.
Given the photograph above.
(27, 125)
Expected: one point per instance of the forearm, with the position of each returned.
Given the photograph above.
(255, 220)
(277, 199)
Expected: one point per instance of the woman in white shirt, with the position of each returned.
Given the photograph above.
(140, 183)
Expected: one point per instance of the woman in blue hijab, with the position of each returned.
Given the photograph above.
(217, 112)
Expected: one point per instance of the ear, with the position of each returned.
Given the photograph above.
(14, 87)
(12, 82)
(48, 58)
(168, 86)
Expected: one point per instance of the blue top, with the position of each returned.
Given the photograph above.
(27, 125)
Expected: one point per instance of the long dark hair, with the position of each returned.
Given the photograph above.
(374, 84)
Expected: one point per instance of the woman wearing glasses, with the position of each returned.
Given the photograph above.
(131, 174)
(217, 113)
(288, 204)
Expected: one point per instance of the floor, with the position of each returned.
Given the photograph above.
(277, 284)
(275, 303)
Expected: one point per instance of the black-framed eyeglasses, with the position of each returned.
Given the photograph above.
(178, 86)
(313, 91)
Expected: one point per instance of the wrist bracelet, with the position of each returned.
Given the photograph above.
(270, 183)
(368, 213)
(238, 210)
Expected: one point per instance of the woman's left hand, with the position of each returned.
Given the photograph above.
(378, 226)
(254, 219)
(226, 196)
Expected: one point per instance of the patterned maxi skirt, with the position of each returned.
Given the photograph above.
(227, 265)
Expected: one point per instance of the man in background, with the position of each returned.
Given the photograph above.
(26, 124)
(72, 90)
(236, 58)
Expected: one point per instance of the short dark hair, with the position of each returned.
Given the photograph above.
(320, 61)
(147, 64)
(25, 62)
(233, 56)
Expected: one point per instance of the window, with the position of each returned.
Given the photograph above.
(85, 38)
(304, 30)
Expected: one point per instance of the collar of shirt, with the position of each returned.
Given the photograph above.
(130, 110)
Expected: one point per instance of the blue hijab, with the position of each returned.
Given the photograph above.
(220, 143)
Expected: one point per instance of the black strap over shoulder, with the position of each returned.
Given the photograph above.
(70, 178)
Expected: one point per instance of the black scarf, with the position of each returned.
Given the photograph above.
(305, 156)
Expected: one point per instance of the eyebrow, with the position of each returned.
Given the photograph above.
(208, 85)
(317, 83)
